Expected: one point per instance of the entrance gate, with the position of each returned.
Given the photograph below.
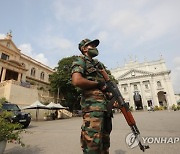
(162, 98)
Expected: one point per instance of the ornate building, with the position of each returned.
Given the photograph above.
(23, 80)
(145, 84)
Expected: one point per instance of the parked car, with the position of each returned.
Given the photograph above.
(18, 116)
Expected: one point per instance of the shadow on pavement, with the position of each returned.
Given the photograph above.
(25, 150)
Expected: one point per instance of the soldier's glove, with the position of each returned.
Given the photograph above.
(102, 86)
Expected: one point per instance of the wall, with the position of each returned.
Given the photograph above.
(17, 94)
(22, 95)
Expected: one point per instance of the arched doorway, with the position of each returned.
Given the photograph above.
(137, 101)
(162, 98)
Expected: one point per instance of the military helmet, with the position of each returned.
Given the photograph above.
(86, 42)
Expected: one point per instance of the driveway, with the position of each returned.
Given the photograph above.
(62, 136)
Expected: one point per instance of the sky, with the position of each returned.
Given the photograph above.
(49, 30)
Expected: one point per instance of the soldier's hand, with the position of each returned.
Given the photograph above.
(102, 86)
(116, 105)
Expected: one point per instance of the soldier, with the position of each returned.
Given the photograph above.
(97, 124)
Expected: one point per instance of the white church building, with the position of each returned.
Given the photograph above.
(146, 84)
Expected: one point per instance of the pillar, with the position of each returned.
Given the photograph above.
(144, 102)
(19, 77)
(3, 75)
(170, 97)
(131, 103)
(155, 101)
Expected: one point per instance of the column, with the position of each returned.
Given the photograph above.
(170, 98)
(155, 101)
(19, 77)
(1, 68)
(131, 103)
(144, 102)
(3, 75)
(23, 78)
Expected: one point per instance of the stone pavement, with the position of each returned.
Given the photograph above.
(62, 136)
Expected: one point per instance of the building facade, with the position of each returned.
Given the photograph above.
(145, 84)
(23, 80)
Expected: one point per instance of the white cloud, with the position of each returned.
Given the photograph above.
(62, 43)
(64, 11)
(127, 22)
(103, 35)
(140, 21)
(161, 20)
(2, 36)
(41, 58)
(177, 61)
(55, 44)
(27, 50)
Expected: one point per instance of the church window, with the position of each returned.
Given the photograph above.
(159, 84)
(4, 56)
(135, 87)
(33, 71)
(42, 75)
(146, 86)
(125, 89)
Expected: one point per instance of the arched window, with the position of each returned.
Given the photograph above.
(135, 87)
(146, 86)
(33, 71)
(125, 89)
(42, 76)
(159, 84)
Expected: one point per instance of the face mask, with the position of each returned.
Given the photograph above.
(93, 52)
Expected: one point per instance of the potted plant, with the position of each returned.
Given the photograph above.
(9, 132)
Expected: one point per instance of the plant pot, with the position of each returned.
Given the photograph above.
(2, 146)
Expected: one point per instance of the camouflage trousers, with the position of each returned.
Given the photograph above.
(95, 134)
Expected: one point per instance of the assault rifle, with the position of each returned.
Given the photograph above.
(115, 96)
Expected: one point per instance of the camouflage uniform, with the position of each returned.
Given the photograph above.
(95, 137)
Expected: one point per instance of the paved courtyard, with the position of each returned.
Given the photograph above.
(62, 136)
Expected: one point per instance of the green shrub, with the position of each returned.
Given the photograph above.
(165, 107)
(156, 108)
(2, 100)
(131, 108)
(9, 131)
(161, 108)
(174, 107)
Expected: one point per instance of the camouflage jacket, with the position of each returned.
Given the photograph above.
(92, 99)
